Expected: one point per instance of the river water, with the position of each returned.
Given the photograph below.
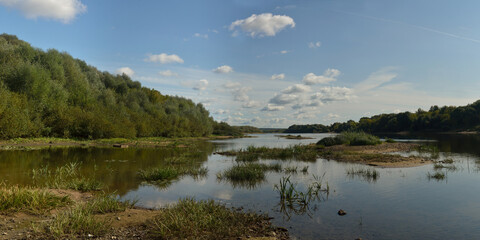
(403, 203)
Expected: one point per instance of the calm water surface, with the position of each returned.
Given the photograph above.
(401, 204)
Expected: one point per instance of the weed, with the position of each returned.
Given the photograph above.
(25, 199)
(368, 174)
(437, 175)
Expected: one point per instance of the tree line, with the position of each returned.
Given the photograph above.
(51, 94)
(436, 119)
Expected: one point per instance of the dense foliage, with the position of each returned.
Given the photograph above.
(350, 138)
(49, 93)
(440, 119)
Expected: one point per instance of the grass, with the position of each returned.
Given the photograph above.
(305, 170)
(81, 219)
(248, 171)
(65, 177)
(292, 197)
(437, 166)
(350, 138)
(291, 170)
(437, 175)
(29, 200)
(169, 173)
(252, 153)
(369, 174)
(191, 219)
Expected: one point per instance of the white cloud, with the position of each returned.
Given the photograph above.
(221, 111)
(201, 85)
(283, 99)
(333, 94)
(168, 73)
(330, 75)
(125, 70)
(272, 108)
(278, 76)
(265, 24)
(250, 104)
(377, 79)
(297, 88)
(62, 10)
(231, 85)
(223, 69)
(164, 58)
(314, 44)
(238, 114)
(199, 35)
(284, 52)
(241, 94)
(277, 120)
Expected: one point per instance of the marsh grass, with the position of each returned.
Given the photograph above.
(296, 152)
(24, 199)
(164, 175)
(305, 170)
(368, 174)
(76, 221)
(293, 199)
(438, 166)
(64, 177)
(248, 171)
(206, 219)
(81, 219)
(350, 138)
(438, 175)
(291, 170)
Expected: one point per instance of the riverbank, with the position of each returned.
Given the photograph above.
(68, 214)
(39, 143)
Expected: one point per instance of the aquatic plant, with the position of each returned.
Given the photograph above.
(437, 175)
(350, 138)
(368, 174)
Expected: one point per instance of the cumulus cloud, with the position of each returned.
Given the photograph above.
(278, 76)
(265, 24)
(272, 108)
(283, 99)
(241, 94)
(231, 85)
(284, 52)
(297, 88)
(164, 58)
(223, 69)
(201, 85)
(221, 111)
(125, 70)
(314, 44)
(62, 10)
(168, 73)
(333, 94)
(330, 75)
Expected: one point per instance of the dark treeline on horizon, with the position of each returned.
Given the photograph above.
(438, 119)
(51, 94)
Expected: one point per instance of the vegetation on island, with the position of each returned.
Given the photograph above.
(436, 119)
(350, 138)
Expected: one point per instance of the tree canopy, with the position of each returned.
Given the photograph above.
(50, 93)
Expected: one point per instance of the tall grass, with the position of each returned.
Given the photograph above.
(64, 177)
(247, 174)
(368, 174)
(80, 220)
(29, 200)
(191, 219)
(169, 173)
(297, 152)
(350, 138)
(437, 175)
(292, 197)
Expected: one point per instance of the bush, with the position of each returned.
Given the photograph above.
(350, 138)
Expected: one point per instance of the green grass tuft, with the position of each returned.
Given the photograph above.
(25, 199)
(191, 219)
(350, 138)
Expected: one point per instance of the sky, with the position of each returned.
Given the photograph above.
(272, 63)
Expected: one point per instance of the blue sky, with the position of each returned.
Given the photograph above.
(271, 63)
